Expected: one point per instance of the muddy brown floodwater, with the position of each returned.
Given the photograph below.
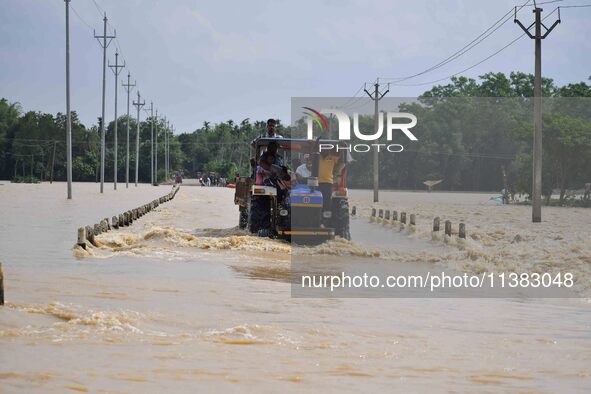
(182, 301)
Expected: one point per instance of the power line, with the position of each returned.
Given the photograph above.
(353, 97)
(99, 9)
(576, 6)
(80, 18)
(464, 70)
(472, 44)
(550, 2)
(474, 65)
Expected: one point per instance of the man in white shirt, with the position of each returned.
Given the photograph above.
(304, 171)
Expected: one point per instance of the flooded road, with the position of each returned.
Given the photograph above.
(182, 301)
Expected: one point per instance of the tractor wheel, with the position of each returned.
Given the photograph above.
(341, 219)
(260, 214)
(243, 218)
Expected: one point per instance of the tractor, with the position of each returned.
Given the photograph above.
(299, 213)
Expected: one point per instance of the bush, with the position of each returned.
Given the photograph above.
(26, 179)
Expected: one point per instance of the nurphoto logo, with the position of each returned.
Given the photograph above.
(344, 122)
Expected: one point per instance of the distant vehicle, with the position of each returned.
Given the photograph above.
(298, 213)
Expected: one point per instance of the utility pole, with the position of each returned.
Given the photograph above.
(376, 97)
(52, 162)
(139, 105)
(168, 135)
(151, 112)
(68, 113)
(171, 135)
(115, 68)
(166, 150)
(156, 152)
(537, 148)
(128, 87)
(104, 44)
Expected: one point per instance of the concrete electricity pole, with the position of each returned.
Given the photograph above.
(166, 126)
(537, 154)
(104, 44)
(68, 113)
(139, 104)
(376, 97)
(168, 133)
(128, 87)
(151, 112)
(171, 135)
(116, 70)
(156, 151)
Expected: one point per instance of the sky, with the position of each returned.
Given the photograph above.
(218, 60)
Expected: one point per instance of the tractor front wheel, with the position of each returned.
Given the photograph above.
(260, 214)
(341, 219)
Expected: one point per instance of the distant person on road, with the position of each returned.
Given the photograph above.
(505, 196)
(587, 195)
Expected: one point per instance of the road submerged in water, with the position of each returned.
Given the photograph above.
(182, 301)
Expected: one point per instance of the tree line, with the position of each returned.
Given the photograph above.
(474, 134)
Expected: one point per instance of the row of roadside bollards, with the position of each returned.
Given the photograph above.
(87, 234)
(393, 216)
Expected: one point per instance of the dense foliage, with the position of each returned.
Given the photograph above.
(473, 135)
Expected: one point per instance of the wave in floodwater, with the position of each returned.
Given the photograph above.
(58, 322)
(483, 251)
(498, 245)
(232, 239)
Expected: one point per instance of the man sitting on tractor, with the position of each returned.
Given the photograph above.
(304, 171)
(269, 164)
(271, 171)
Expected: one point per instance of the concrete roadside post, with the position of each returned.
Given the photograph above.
(90, 234)
(448, 228)
(436, 222)
(81, 238)
(1, 286)
(462, 231)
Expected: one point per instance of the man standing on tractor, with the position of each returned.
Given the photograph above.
(271, 131)
(271, 128)
(329, 160)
